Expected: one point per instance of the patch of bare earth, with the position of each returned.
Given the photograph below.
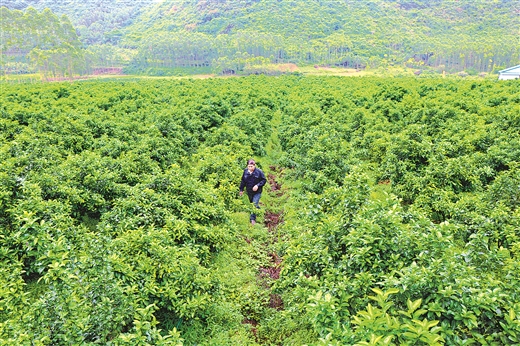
(288, 67)
(272, 220)
(96, 71)
(271, 272)
(254, 326)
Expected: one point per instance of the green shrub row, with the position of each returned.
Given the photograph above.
(119, 222)
(409, 189)
(116, 203)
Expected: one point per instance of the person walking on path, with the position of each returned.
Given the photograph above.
(253, 180)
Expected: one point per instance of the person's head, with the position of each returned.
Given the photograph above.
(251, 164)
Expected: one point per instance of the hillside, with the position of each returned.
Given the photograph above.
(96, 21)
(449, 35)
(246, 37)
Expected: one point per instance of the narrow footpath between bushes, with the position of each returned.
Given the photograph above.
(270, 272)
(272, 220)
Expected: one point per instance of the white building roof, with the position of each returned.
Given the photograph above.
(514, 69)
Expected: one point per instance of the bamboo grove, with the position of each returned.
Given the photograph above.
(120, 222)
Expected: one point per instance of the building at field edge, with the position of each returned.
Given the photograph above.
(509, 73)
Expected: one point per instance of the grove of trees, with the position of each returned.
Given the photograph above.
(120, 222)
(157, 37)
(41, 40)
(473, 36)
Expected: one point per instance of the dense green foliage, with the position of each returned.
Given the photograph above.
(98, 22)
(48, 42)
(120, 223)
(409, 188)
(116, 210)
(229, 36)
(448, 35)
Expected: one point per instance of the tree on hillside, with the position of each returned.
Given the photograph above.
(49, 43)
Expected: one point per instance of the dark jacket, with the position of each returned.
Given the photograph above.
(249, 180)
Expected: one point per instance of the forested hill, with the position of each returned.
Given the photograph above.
(231, 36)
(97, 21)
(455, 35)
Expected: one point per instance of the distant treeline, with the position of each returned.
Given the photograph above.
(50, 44)
(233, 37)
(473, 36)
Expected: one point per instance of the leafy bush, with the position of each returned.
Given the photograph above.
(119, 222)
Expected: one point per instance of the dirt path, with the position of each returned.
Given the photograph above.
(272, 220)
(270, 272)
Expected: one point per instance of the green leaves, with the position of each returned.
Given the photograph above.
(412, 311)
(379, 323)
(113, 205)
(118, 202)
(145, 331)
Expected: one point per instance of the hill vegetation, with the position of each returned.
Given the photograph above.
(247, 36)
(96, 21)
(97, 26)
(447, 35)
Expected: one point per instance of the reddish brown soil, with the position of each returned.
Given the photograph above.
(107, 70)
(272, 220)
(271, 177)
(273, 271)
(267, 274)
(254, 325)
(275, 186)
(275, 301)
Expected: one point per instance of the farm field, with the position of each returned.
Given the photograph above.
(391, 213)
